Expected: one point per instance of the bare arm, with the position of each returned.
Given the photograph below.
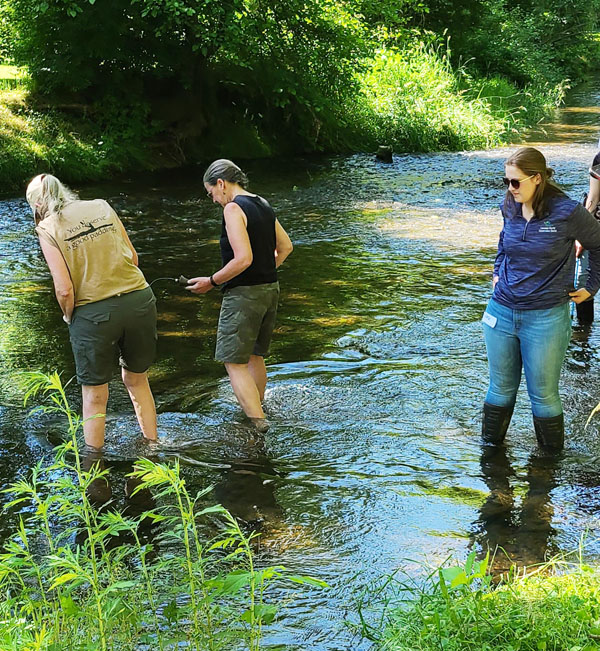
(63, 287)
(283, 244)
(237, 233)
(593, 197)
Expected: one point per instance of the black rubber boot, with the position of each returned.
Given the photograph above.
(495, 423)
(550, 432)
(585, 312)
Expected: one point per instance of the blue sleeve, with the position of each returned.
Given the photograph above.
(500, 255)
(586, 229)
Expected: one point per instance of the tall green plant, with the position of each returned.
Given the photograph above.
(66, 585)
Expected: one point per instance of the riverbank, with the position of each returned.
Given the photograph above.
(555, 607)
(410, 99)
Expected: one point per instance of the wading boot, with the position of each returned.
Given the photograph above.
(585, 312)
(550, 432)
(495, 423)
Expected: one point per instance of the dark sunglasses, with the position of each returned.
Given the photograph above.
(516, 182)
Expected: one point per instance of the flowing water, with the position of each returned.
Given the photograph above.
(377, 372)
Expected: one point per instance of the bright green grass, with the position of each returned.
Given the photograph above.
(414, 100)
(12, 77)
(555, 609)
(75, 149)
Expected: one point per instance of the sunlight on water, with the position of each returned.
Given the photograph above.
(377, 371)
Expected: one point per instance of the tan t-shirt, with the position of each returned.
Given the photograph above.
(90, 237)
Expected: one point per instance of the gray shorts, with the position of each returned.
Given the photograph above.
(246, 322)
(117, 329)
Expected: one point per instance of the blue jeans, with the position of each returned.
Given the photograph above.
(535, 340)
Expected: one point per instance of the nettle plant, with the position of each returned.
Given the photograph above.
(64, 583)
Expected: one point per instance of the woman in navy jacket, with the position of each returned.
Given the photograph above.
(526, 323)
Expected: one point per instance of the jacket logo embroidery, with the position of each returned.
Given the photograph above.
(547, 227)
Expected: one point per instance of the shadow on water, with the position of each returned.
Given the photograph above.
(378, 370)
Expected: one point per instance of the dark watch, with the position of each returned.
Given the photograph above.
(212, 281)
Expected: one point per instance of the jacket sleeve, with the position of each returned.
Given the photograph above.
(586, 230)
(500, 255)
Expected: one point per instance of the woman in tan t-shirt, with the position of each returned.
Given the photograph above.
(104, 297)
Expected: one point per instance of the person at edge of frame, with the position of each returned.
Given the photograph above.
(253, 245)
(527, 323)
(105, 300)
(585, 310)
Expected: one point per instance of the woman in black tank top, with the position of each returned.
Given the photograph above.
(253, 244)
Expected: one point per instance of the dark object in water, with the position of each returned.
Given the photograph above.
(495, 423)
(384, 153)
(550, 432)
(585, 312)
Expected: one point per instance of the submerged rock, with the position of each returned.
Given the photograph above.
(384, 153)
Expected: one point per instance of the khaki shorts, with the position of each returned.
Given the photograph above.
(118, 329)
(246, 322)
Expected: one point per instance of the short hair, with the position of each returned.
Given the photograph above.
(226, 170)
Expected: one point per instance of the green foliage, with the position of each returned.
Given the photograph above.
(246, 78)
(75, 149)
(7, 35)
(410, 99)
(275, 62)
(12, 77)
(555, 608)
(65, 585)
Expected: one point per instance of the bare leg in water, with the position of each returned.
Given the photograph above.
(143, 402)
(247, 392)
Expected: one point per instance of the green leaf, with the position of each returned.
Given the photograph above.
(68, 606)
(450, 573)
(171, 611)
(120, 585)
(235, 581)
(307, 580)
(264, 613)
(69, 576)
(469, 563)
(459, 579)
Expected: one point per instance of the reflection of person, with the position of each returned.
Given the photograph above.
(104, 298)
(253, 245)
(524, 532)
(585, 310)
(526, 323)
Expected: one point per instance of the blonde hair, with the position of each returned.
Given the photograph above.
(47, 196)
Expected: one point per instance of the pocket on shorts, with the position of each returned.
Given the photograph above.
(146, 307)
(229, 320)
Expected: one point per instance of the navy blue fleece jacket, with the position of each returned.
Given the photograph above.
(535, 263)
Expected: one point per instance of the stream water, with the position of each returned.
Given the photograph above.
(377, 373)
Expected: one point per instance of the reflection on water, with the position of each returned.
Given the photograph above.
(377, 374)
(516, 517)
(575, 122)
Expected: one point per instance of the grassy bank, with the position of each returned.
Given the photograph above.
(411, 99)
(33, 140)
(414, 100)
(556, 608)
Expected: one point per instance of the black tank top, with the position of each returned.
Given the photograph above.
(261, 231)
